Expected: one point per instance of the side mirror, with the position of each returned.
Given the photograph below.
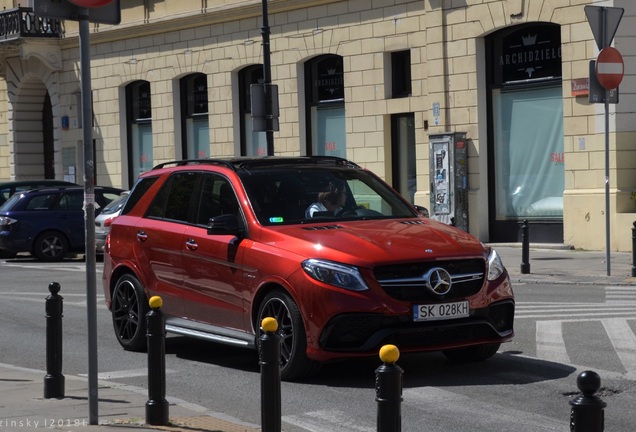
(422, 210)
(227, 224)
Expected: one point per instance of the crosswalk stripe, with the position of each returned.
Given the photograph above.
(623, 340)
(551, 310)
(447, 404)
(326, 421)
(587, 316)
(550, 343)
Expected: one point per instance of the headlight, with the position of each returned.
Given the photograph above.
(495, 266)
(335, 274)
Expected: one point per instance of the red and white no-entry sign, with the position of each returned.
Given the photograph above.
(609, 68)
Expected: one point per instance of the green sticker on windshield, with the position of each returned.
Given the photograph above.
(276, 219)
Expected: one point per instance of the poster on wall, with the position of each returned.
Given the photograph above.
(441, 187)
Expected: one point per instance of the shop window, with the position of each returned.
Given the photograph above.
(526, 172)
(401, 74)
(252, 143)
(325, 109)
(139, 125)
(195, 127)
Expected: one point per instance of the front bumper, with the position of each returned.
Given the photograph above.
(367, 333)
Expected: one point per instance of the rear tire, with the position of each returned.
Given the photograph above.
(50, 246)
(129, 307)
(293, 345)
(471, 354)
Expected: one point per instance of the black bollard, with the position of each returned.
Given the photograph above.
(587, 414)
(634, 250)
(157, 405)
(388, 390)
(269, 355)
(525, 248)
(54, 380)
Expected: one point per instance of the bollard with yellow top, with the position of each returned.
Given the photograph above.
(388, 390)
(157, 405)
(269, 354)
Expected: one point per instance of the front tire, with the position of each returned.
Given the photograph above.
(50, 246)
(129, 308)
(293, 346)
(472, 354)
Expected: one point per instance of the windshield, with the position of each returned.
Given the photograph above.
(115, 205)
(288, 196)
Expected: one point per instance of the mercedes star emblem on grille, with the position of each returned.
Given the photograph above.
(438, 280)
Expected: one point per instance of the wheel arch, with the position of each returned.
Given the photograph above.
(263, 291)
(118, 272)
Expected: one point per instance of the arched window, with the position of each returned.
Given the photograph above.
(325, 106)
(195, 125)
(139, 127)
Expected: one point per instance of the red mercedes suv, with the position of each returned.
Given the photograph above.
(341, 260)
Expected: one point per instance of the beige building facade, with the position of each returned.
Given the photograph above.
(499, 85)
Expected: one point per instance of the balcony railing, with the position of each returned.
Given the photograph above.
(22, 22)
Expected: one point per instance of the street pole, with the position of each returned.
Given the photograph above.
(89, 213)
(267, 81)
(605, 43)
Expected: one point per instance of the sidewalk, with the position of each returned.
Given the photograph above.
(122, 408)
(559, 264)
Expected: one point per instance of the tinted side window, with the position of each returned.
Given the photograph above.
(71, 201)
(42, 202)
(217, 198)
(138, 191)
(176, 198)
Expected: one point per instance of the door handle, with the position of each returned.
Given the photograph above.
(142, 236)
(191, 244)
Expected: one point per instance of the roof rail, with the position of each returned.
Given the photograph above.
(293, 160)
(256, 162)
(184, 162)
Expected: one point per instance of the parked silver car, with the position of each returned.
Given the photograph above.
(105, 218)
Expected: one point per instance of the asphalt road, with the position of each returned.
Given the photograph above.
(561, 331)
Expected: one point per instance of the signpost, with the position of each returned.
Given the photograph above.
(609, 72)
(108, 12)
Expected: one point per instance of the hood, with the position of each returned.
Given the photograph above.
(372, 242)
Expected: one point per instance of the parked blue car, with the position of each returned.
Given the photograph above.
(48, 223)
(8, 188)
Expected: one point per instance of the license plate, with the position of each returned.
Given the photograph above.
(440, 311)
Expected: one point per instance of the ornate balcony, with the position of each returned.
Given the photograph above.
(22, 22)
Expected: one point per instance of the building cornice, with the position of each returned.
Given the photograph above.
(211, 16)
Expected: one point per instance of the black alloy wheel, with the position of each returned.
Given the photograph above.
(293, 341)
(129, 308)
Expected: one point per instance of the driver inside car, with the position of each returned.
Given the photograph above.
(331, 200)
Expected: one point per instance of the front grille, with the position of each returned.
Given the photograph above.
(406, 282)
(368, 332)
